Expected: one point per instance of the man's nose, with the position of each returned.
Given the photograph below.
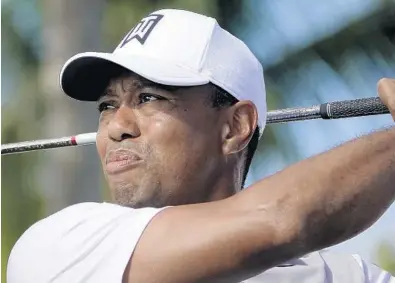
(123, 124)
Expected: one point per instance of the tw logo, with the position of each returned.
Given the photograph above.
(143, 29)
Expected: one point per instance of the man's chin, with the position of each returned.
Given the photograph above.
(135, 196)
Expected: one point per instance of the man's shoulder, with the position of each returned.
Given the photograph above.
(325, 266)
(85, 215)
(78, 237)
(87, 218)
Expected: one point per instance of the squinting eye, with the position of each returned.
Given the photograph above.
(144, 97)
(104, 106)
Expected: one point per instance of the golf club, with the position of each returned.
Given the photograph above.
(332, 110)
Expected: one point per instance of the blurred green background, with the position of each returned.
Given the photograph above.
(312, 52)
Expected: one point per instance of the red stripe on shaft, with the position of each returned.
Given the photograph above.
(73, 141)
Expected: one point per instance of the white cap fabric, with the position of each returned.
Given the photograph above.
(177, 48)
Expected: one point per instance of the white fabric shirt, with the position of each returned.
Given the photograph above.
(83, 243)
(93, 242)
(325, 267)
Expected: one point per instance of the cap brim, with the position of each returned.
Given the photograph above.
(85, 75)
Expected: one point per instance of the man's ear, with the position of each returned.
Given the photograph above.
(241, 121)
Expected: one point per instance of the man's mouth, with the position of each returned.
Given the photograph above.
(121, 160)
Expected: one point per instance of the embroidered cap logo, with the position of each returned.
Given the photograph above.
(143, 29)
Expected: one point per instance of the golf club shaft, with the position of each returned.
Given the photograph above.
(19, 147)
(332, 110)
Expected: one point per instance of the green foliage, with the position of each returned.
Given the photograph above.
(20, 202)
(386, 256)
(120, 15)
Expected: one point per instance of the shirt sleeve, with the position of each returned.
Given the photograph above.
(87, 242)
(373, 273)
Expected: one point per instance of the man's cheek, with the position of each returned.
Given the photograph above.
(101, 143)
(158, 127)
(164, 125)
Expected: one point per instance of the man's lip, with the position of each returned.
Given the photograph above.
(115, 167)
(121, 160)
(121, 155)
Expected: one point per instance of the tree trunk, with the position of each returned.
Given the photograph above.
(68, 175)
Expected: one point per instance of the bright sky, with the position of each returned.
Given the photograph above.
(291, 25)
(287, 25)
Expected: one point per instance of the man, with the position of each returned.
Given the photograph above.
(182, 106)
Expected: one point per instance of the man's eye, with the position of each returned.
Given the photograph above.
(146, 97)
(104, 106)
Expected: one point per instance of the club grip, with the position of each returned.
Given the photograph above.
(353, 108)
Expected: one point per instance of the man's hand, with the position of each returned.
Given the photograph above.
(386, 90)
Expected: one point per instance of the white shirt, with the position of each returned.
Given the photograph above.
(93, 242)
(325, 267)
(83, 243)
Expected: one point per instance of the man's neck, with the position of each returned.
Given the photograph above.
(223, 188)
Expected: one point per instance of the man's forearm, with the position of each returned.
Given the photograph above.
(331, 197)
(355, 183)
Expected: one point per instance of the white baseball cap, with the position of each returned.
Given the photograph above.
(177, 48)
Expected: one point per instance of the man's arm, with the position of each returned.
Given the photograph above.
(313, 204)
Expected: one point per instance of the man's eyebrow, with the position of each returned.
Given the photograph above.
(108, 92)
